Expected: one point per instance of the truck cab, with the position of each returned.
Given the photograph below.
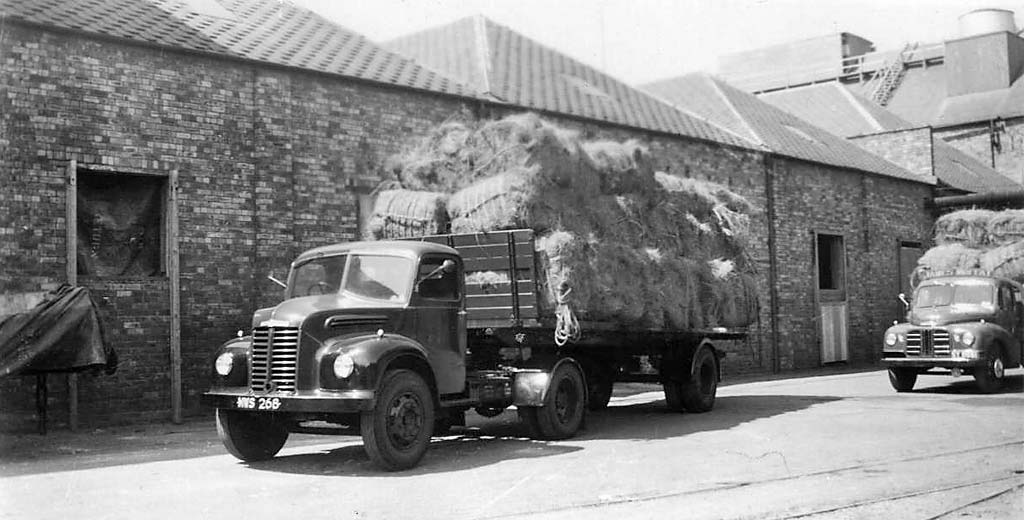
(958, 324)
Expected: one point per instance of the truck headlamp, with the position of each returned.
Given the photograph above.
(343, 366)
(224, 363)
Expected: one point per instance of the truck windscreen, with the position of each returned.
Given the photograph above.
(942, 295)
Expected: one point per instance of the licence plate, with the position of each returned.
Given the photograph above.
(257, 403)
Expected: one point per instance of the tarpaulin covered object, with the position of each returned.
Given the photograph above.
(61, 334)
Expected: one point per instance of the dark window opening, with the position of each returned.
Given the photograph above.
(443, 285)
(831, 262)
(120, 223)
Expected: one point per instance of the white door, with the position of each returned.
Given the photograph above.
(833, 332)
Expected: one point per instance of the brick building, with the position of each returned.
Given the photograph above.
(209, 144)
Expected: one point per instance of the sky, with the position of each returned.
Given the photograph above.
(638, 41)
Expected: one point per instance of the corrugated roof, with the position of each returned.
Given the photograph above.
(833, 108)
(510, 67)
(777, 130)
(268, 31)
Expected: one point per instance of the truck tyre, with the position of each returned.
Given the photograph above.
(250, 436)
(397, 431)
(562, 413)
(599, 388)
(673, 395)
(902, 379)
(698, 393)
(990, 376)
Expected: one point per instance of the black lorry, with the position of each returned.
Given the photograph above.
(388, 339)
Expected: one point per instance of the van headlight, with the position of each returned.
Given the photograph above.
(967, 338)
(224, 363)
(343, 366)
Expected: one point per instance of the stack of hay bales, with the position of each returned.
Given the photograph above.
(977, 239)
(617, 241)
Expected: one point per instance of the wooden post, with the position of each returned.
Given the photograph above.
(71, 223)
(174, 283)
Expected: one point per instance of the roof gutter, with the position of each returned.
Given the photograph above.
(995, 197)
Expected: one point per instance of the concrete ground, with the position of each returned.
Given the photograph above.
(842, 445)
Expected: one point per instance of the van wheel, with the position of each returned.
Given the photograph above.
(397, 431)
(902, 379)
(564, 407)
(990, 377)
(250, 436)
(700, 390)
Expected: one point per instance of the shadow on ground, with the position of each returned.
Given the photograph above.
(966, 386)
(489, 441)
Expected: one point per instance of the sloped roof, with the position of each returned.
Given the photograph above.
(777, 130)
(504, 65)
(268, 31)
(921, 97)
(834, 108)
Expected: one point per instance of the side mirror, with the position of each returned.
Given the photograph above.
(275, 280)
(903, 298)
(447, 266)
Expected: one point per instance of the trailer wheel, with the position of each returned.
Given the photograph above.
(990, 376)
(673, 395)
(698, 393)
(397, 431)
(562, 413)
(250, 436)
(902, 379)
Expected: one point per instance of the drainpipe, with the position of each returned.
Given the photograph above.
(773, 275)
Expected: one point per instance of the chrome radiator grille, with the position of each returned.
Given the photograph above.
(275, 352)
(928, 342)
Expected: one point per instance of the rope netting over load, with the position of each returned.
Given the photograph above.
(976, 240)
(617, 240)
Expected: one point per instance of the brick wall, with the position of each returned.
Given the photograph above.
(873, 215)
(975, 140)
(911, 149)
(268, 161)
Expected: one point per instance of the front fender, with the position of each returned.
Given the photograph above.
(989, 336)
(370, 355)
(241, 349)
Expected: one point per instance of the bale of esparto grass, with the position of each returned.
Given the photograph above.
(969, 227)
(950, 257)
(1006, 261)
(406, 213)
(622, 167)
(1006, 227)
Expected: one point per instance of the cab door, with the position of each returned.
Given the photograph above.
(441, 319)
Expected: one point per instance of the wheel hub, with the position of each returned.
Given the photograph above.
(997, 368)
(405, 420)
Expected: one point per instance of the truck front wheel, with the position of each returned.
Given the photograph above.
(562, 413)
(250, 436)
(902, 379)
(990, 376)
(397, 431)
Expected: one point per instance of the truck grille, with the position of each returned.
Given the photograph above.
(928, 342)
(274, 358)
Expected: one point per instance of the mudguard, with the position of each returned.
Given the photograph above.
(371, 354)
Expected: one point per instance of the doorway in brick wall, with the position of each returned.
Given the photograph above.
(831, 296)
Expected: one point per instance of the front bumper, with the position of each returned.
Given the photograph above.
(931, 362)
(347, 401)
